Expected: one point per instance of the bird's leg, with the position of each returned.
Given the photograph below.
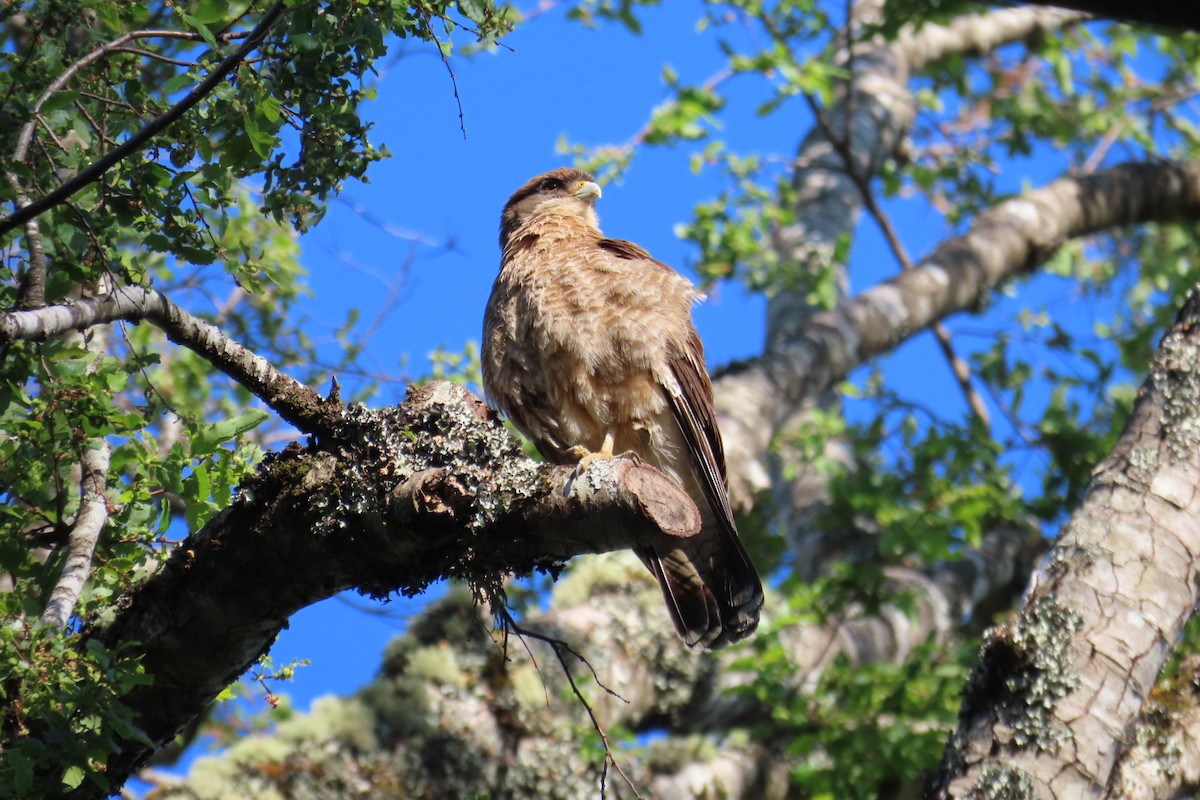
(586, 457)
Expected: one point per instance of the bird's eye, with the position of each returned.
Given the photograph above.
(550, 185)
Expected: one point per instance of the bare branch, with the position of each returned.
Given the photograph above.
(560, 649)
(875, 111)
(81, 544)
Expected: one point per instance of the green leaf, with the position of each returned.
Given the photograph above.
(73, 776)
(262, 141)
(199, 27)
(21, 770)
(206, 438)
(210, 11)
(59, 100)
(115, 380)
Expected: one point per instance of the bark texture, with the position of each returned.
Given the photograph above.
(1058, 689)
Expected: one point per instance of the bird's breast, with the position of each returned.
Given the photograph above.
(586, 341)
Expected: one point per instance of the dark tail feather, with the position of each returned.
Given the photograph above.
(713, 599)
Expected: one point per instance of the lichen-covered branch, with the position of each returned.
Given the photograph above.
(1056, 687)
(390, 501)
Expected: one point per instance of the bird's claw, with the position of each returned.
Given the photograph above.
(585, 457)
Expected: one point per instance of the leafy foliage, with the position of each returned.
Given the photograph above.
(212, 204)
(70, 699)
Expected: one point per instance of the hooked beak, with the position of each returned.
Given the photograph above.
(587, 190)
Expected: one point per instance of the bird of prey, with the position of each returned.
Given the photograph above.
(590, 350)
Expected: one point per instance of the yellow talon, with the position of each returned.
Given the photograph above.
(586, 457)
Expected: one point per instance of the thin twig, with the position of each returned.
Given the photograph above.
(153, 56)
(99, 98)
(138, 140)
(462, 119)
(558, 646)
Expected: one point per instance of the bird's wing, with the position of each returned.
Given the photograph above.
(727, 572)
(692, 405)
(691, 402)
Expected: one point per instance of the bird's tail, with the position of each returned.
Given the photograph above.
(711, 587)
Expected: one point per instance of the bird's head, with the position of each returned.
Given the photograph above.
(562, 191)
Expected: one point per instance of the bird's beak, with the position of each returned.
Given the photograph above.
(588, 190)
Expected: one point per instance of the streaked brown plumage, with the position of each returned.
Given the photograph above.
(589, 347)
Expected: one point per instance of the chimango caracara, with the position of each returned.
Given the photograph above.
(589, 348)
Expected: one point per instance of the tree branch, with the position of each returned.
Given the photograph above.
(875, 111)
(1170, 15)
(524, 728)
(389, 501)
(294, 402)
(138, 140)
(1057, 687)
(81, 544)
(1005, 242)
